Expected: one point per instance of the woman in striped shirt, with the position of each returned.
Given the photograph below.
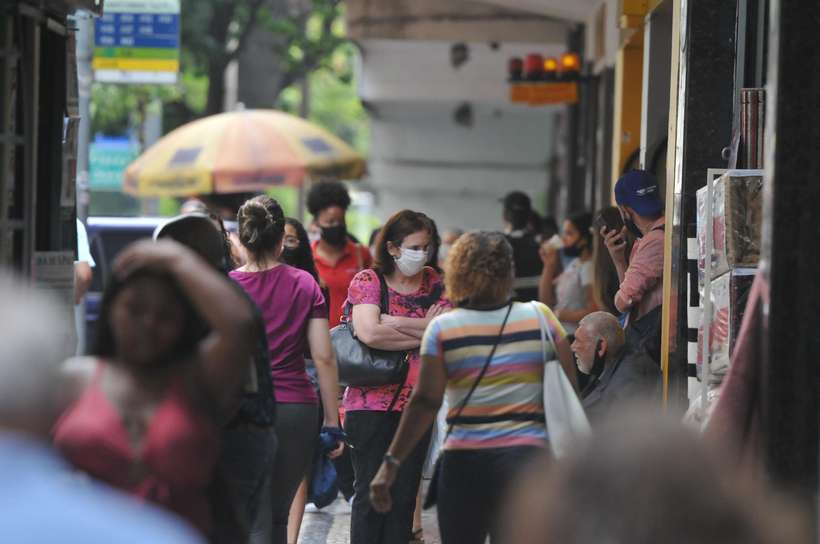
(501, 424)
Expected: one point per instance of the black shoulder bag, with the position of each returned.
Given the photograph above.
(363, 366)
(432, 492)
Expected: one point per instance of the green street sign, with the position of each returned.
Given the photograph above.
(107, 163)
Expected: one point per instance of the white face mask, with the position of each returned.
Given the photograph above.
(411, 261)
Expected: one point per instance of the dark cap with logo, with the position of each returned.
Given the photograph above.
(517, 201)
(638, 189)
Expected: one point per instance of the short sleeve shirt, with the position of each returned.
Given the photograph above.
(287, 298)
(508, 404)
(366, 289)
(571, 288)
(643, 280)
(83, 249)
(337, 277)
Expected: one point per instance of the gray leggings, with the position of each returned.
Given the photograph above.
(296, 429)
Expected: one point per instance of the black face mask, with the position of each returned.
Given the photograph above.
(335, 236)
(594, 372)
(633, 228)
(597, 362)
(290, 255)
(572, 251)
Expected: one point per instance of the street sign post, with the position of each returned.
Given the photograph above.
(137, 41)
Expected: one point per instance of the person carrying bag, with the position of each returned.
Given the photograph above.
(388, 309)
(488, 357)
(363, 366)
(563, 412)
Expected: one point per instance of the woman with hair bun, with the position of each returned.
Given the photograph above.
(295, 315)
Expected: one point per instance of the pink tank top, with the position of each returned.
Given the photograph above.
(179, 451)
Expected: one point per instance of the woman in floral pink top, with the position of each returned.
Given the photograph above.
(415, 294)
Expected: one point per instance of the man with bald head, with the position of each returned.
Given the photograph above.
(618, 374)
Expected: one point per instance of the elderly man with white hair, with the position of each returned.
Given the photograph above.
(619, 374)
(41, 501)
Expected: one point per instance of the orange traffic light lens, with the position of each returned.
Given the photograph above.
(570, 61)
(550, 64)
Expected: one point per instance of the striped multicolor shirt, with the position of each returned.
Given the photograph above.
(506, 408)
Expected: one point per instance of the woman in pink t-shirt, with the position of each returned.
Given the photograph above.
(295, 315)
(415, 294)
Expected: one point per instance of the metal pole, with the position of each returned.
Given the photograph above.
(85, 78)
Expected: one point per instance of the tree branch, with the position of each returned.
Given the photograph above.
(256, 6)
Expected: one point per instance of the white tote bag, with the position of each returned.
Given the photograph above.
(566, 421)
(436, 441)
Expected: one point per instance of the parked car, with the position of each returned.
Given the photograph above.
(107, 236)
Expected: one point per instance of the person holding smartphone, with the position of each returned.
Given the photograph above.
(605, 281)
(641, 284)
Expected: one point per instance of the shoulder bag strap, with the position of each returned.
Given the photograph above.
(359, 257)
(384, 299)
(480, 375)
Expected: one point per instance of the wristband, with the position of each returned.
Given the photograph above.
(391, 460)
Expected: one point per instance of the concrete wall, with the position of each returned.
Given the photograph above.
(611, 38)
(422, 158)
(456, 20)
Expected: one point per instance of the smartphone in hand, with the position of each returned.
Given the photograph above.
(610, 219)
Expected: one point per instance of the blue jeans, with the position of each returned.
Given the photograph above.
(247, 462)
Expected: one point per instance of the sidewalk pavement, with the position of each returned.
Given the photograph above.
(331, 525)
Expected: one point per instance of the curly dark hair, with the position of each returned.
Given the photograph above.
(324, 194)
(479, 269)
(261, 226)
(304, 256)
(401, 225)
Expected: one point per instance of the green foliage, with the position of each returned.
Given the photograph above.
(333, 101)
(308, 40)
(115, 108)
(311, 45)
(288, 198)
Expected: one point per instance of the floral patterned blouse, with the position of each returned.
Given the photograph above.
(365, 289)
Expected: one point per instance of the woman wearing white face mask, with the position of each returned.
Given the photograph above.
(415, 296)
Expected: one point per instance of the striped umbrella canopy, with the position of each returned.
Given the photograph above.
(241, 151)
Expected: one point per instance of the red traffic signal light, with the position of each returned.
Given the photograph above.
(515, 69)
(534, 67)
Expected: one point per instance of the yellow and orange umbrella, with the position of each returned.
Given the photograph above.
(242, 151)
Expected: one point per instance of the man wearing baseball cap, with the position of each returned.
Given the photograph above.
(641, 289)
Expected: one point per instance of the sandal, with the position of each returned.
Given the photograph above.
(417, 536)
